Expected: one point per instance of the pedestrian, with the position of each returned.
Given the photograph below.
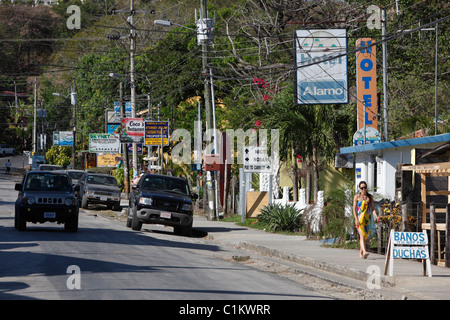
(362, 206)
(8, 167)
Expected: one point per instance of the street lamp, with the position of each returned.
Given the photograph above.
(73, 102)
(204, 32)
(168, 23)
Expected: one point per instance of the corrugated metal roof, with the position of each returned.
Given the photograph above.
(397, 144)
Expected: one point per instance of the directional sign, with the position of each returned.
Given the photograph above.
(153, 130)
(256, 159)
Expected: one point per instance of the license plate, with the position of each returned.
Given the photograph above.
(103, 198)
(49, 215)
(165, 215)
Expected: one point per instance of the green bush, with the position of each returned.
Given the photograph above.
(281, 218)
(60, 155)
(336, 224)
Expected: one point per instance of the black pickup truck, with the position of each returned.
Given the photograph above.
(161, 199)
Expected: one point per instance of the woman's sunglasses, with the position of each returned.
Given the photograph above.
(363, 188)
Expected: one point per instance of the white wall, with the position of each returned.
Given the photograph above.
(382, 163)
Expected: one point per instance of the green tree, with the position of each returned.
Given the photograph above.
(313, 131)
(59, 155)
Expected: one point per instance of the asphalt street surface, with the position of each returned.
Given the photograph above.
(106, 260)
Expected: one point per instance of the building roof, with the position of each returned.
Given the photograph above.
(397, 144)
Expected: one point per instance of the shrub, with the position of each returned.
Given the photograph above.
(281, 218)
(336, 223)
(60, 155)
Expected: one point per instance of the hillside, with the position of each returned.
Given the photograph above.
(252, 59)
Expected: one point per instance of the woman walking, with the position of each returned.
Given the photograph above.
(362, 204)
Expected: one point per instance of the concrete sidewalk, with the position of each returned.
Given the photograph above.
(408, 276)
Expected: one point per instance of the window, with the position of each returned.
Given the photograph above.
(103, 180)
(47, 181)
(165, 184)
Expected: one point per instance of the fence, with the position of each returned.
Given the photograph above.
(408, 216)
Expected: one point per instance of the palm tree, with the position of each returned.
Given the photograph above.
(317, 140)
(283, 115)
(309, 130)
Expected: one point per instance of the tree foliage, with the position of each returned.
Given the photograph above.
(251, 57)
(59, 155)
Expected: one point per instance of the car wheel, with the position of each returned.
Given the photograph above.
(136, 224)
(20, 222)
(15, 219)
(71, 225)
(129, 219)
(117, 206)
(183, 231)
(84, 201)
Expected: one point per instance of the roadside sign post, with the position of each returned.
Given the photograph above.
(256, 160)
(407, 245)
(156, 133)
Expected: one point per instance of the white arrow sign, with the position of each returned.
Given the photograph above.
(256, 159)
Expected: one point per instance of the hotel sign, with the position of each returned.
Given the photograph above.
(321, 62)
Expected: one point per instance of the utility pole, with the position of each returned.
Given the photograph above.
(74, 101)
(436, 81)
(126, 174)
(204, 41)
(34, 121)
(385, 78)
(15, 96)
(132, 79)
(205, 61)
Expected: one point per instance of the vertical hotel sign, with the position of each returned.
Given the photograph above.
(321, 63)
(366, 83)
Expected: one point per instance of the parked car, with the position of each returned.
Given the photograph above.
(5, 150)
(98, 188)
(75, 175)
(162, 200)
(49, 167)
(46, 196)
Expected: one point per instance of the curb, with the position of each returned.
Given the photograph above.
(316, 264)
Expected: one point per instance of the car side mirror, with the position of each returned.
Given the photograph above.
(194, 196)
(18, 187)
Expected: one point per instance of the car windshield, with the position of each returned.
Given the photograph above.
(47, 181)
(103, 180)
(49, 167)
(75, 175)
(165, 184)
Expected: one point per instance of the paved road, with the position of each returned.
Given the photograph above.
(117, 263)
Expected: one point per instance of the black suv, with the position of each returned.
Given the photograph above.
(98, 188)
(46, 196)
(162, 200)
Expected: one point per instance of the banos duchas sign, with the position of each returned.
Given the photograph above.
(407, 245)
